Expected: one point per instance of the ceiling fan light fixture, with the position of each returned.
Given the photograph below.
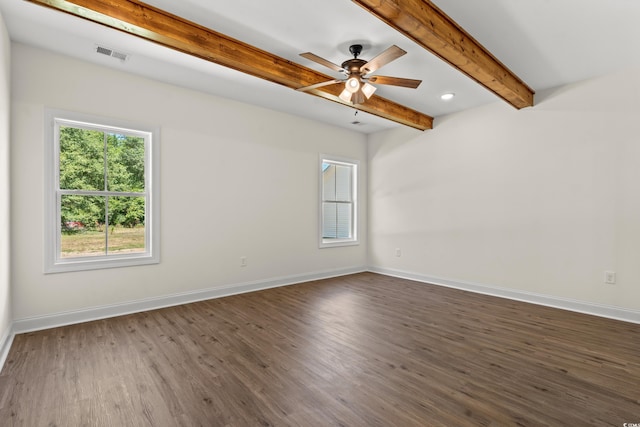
(352, 84)
(358, 98)
(345, 95)
(368, 90)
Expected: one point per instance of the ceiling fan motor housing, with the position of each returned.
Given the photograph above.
(352, 66)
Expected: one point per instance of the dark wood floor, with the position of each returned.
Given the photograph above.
(361, 350)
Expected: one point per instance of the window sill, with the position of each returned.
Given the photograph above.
(97, 263)
(334, 243)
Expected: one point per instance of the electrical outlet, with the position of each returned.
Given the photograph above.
(398, 252)
(610, 277)
(243, 261)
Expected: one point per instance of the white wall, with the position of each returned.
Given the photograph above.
(541, 200)
(236, 180)
(5, 289)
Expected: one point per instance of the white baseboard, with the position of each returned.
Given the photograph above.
(617, 313)
(5, 344)
(102, 312)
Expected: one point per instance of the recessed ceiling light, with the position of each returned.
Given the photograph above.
(447, 96)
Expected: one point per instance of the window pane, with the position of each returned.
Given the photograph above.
(125, 163)
(82, 226)
(336, 182)
(126, 225)
(343, 183)
(329, 220)
(337, 220)
(343, 220)
(328, 181)
(81, 159)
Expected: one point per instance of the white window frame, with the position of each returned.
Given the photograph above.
(53, 262)
(353, 240)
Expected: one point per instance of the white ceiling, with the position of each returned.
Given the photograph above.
(547, 43)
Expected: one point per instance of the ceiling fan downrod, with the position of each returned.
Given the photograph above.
(355, 49)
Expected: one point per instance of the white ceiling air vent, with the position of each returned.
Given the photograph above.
(112, 53)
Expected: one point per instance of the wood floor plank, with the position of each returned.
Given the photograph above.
(359, 350)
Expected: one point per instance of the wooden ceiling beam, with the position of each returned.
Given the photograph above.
(158, 26)
(423, 22)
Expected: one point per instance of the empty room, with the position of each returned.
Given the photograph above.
(339, 213)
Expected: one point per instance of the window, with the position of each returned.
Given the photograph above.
(101, 180)
(338, 193)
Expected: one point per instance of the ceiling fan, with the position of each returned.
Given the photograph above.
(357, 86)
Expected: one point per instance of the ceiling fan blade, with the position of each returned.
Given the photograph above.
(315, 58)
(317, 85)
(394, 52)
(395, 81)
